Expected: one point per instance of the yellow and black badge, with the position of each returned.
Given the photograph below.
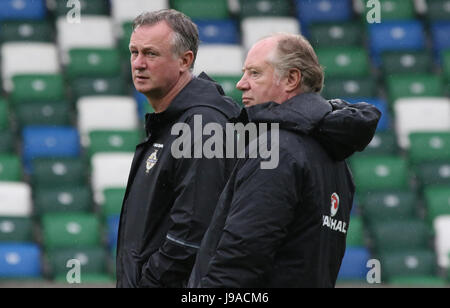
(151, 161)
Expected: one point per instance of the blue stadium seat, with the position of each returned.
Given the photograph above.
(382, 105)
(395, 35)
(322, 11)
(113, 230)
(440, 32)
(22, 9)
(49, 141)
(218, 31)
(354, 264)
(143, 106)
(20, 261)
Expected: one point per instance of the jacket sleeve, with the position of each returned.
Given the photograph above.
(198, 183)
(261, 211)
(349, 128)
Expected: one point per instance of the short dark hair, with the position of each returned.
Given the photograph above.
(186, 35)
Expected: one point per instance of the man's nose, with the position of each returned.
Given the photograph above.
(242, 84)
(139, 63)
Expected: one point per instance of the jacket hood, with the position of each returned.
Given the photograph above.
(340, 127)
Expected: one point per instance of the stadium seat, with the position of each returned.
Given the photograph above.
(43, 114)
(395, 35)
(441, 227)
(16, 199)
(446, 66)
(124, 11)
(438, 10)
(429, 147)
(58, 172)
(37, 88)
(112, 204)
(354, 265)
(428, 281)
(93, 32)
(390, 205)
(23, 9)
(73, 199)
(126, 29)
(394, 10)
(10, 168)
(433, 173)
(20, 58)
(98, 62)
(383, 143)
(16, 229)
(223, 31)
(113, 141)
(350, 62)
(202, 9)
(143, 105)
(210, 59)
(441, 41)
(350, 87)
(269, 8)
(70, 230)
(355, 233)
(414, 85)
(87, 7)
(400, 236)
(437, 199)
(113, 230)
(97, 86)
(434, 115)
(26, 30)
(376, 173)
(412, 263)
(48, 141)
(4, 115)
(406, 62)
(384, 122)
(335, 34)
(255, 28)
(228, 84)
(20, 260)
(7, 142)
(121, 114)
(109, 170)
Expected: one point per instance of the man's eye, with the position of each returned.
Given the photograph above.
(134, 52)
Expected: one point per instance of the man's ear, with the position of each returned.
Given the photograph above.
(186, 60)
(293, 79)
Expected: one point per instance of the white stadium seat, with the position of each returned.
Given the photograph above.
(109, 170)
(124, 11)
(91, 32)
(420, 114)
(15, 199)
(105, 113)
(442, 240)
(256, 28)
(28, 58)
(218, 59)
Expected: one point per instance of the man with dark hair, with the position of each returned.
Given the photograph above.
(286, 226)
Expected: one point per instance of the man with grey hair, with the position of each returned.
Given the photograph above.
(287, 226)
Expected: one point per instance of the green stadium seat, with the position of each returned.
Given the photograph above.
(383, 143)
(62, 200)
(10, 168)
(93, 260)
(26, 30)
(350, 62)
(429, 147)
(7, 142)
(4, 115)
(391, 205)
(88, 7)
(394, 9)
(325, 35)
(70, 230)
(418, 281)
(202, 9)
(437, 199)
(377, 173)
(88, 280)
(408, 264)
(113, 141)
(113, 201)
(93, 63)
(37, 88)
(98, 86)
(228, 84)
(446, 65)
(438, 10)
(349, 87)
(124, 40)
(53, 113)
(257, 8)
(16, 229)
(355, 233)
(413, 85)
(433, 173)
(401, 62)
(58, 172)
(400, 236)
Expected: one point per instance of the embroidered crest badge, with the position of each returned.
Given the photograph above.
(151, 161)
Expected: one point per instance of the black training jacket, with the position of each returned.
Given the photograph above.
(286, 227)
(169, 202)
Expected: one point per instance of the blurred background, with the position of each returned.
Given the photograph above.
(70, 119)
